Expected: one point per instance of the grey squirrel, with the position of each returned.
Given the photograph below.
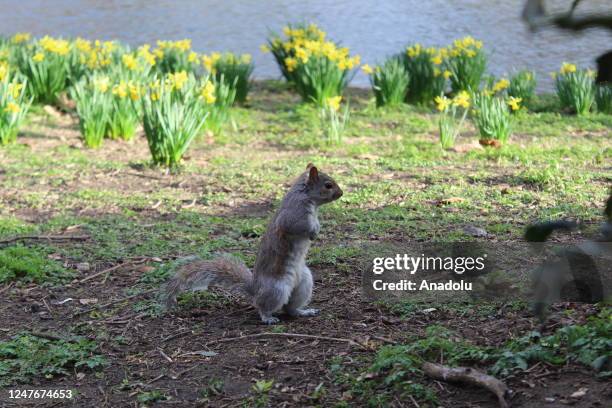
(280, 279)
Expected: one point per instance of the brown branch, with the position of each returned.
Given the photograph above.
(294, 335)
(470, 376)
(45, 237)
(85, 279)
(582, 23)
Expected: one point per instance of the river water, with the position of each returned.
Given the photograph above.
(371, 29)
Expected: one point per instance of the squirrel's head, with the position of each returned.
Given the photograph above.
(321, 188)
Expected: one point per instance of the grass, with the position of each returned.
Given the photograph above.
(20, 263)
(390, 166)
(25, 357)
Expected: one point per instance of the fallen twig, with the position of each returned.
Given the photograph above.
(45, 237)
(295, 335)
(95, 275)
(99, 307)
(164, 355)
(174, 336)
(470, 376)
(46, 336)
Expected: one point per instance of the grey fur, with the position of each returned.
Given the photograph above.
(280, 279)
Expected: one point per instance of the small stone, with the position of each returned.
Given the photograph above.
(549, 399)
(83, 267)
(580, 393)
(475, 231)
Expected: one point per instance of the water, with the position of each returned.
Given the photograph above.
(371, 29)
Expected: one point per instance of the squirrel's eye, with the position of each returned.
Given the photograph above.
(329, 184)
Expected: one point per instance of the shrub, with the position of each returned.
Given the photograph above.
(235, 71)
(175, 56)
(333, 122)
(318, 69)
(492, 118)
(603, 98)
(94, 103)
(13, 106)
(45, 65)
(466, 64)
(426, 79)
(389, 82)
(522, 86)
(452, 115)
(575, 88)
(174, 111)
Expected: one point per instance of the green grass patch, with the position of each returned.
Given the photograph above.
(26, 358)
(25, 264)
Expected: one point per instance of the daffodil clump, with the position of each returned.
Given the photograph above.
(389, 82)
(316, 67)
(44, 63)
(466, 63)
(491, 115)
(452, 115)
(125, 110)
(425, 70)
(220, 95)
(94, 104)
(13, 106)
(575, 88)
(334, 119)
(175, 56)
(603, 98)
(522, 86)
(175, 109)
(234, 69)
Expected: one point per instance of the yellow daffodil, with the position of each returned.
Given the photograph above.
(134, 92)
(291, 64)
(192, 57)
(245, 58)
(12, 107)
(264, 48)
(21, 38)
(15, 89)
(101, 84)
(514, 103)
(367, 69)
(120, 90)
(567, 68)
(501, 85)
(447, 74)
(178, 80)
(442, 103)
(462, 99)
(129, 62)
(333, 102)
(3, 71)
(38, 57)
(56, 46)
(437, 60)
(208, 93)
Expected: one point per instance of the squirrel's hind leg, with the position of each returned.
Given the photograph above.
(270, 299)
(300, 296)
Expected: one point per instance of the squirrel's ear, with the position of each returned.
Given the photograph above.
(313, 174)
(309, 165)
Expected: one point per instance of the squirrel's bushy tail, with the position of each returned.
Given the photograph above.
(194, 274)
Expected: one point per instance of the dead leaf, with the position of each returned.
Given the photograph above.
(580, 393)
(89, 301)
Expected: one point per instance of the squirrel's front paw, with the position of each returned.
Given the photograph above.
(270, 319)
